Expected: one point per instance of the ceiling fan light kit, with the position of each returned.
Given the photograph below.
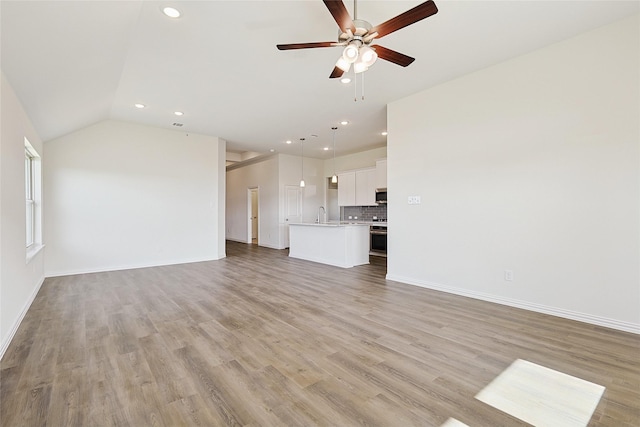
(343, 64)
(368, 56)
(357, 36)
(360, 67)
(350, 53)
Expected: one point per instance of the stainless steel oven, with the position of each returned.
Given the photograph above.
(378, 240)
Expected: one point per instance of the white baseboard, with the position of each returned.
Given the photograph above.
(239, 240)
(16, 324)
(268, 245)
(126, 267)
(539, 308)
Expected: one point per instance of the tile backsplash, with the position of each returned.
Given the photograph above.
(364, 213)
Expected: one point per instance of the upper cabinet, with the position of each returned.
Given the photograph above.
(357, 188)
(381, 173)
(347, 189)
(366, 187)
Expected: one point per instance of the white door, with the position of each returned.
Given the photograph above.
(253, 215)
(292, 208)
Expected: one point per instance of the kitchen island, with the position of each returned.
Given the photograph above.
(340, 244)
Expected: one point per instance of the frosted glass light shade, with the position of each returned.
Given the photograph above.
(350, 53)
(343, 64)
(302, 183)
(360, 67)
(334, 179)
(368, 56)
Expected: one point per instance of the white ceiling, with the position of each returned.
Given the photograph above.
(74, 63)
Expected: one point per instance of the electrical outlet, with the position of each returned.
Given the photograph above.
(508, 275)
(413, 200)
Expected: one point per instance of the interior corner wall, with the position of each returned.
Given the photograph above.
(263, 175)
(222, 198)
(532, 166)
(122, 195)
(19, 280)
(360, 160)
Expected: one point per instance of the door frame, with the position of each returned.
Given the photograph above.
(250, 213)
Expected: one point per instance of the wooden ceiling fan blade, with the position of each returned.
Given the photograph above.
(340, 14)
(405, 19)
(305, 45)
(369, 37)
(393, 56)
(336, 73)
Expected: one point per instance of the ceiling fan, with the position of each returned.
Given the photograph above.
(358, 36)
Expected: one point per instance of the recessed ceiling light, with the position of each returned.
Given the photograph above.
(139, 105)
(178, 113)
(171, 12)
(344, 123)
(326, 148)
(384, 133)
(345, 80)
(273, 150)
(289, 141)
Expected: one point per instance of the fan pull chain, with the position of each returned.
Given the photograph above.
(362, 86)
(355, 87)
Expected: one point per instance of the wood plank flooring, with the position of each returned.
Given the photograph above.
(259, 339)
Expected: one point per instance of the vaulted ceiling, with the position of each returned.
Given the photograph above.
(74, 63)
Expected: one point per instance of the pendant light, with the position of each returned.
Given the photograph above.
(334, 178)
(302, 162)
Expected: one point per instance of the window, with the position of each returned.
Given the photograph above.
(33, 199)
(30, 195)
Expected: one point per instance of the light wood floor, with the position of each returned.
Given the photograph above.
(258, 339)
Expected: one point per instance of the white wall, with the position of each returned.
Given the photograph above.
(262, 174)
(19, 280)
(363, 159)
(123, 195)
(221, 218)
(313, 193)
(271, 174)
(532, 166)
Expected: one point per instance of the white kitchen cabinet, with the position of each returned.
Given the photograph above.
(357, 188)
(347, 189)
(366, 187)
(381, 173)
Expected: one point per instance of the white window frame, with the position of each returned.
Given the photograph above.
(29, 178)
(33, 200)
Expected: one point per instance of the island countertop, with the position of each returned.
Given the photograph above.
(340, 244)
(342, 223)
(330, 224)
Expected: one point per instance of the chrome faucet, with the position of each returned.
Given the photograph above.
(324, 213)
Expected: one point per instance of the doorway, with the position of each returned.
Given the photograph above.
(253, 198)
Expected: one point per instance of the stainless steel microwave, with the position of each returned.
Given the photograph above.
(381, 195)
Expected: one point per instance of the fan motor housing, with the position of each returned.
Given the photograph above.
(362, 29)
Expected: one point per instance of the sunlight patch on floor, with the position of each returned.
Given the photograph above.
(452, 422)
(542, 396)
